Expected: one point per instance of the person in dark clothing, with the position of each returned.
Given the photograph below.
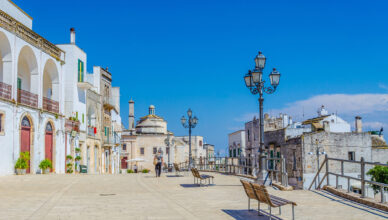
(158, 161)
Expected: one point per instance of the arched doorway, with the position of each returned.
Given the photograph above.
(25, 142)
(49, 142)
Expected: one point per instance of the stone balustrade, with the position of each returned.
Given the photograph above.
(5, 91)
(27, 98)
(50, 105)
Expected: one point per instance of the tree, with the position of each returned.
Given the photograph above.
(379, 174)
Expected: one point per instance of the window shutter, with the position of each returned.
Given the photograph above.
(19, 83)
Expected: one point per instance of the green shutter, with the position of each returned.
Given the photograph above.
(76, 115)
(83, 118)
(19, 83)
(80, 71)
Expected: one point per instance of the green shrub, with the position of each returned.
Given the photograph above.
(379, 174)
(45, 164)
(77, 150)
(69, 157)
(78, 158)
(22, 162)
(130, 171)
(145, 171)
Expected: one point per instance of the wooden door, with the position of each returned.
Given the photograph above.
(49, 142)
(25, 139)
(124, 163)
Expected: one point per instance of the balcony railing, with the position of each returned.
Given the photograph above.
(108, 103)
(112, 140)
(5, 91)
(50, 105)
(71, 125)
(27, 98)
(91, 131)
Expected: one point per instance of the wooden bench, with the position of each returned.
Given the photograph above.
(178, 170)
(260, 193)
(200, 177)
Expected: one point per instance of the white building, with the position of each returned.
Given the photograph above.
(237, 144)
(31, 94)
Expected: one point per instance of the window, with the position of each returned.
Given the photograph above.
(80, 71)
(248, 135)
(142, 151)
(294, 161)
(124, 147)
(19, 83)
(230, 153)
(154, 150)
(167, 150)
(234, 152)
(200, 143)
(352, 155)
(1, 123)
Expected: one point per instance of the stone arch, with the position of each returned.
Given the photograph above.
(50, 81)
(30, 139)
(5, 60)
(27, 70)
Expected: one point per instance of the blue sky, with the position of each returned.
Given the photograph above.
(181, 54)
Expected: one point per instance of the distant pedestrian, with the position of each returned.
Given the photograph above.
(158, 161)
(135, 168)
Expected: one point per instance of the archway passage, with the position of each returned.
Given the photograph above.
(25, 142)
(5, 67)
(49, 142)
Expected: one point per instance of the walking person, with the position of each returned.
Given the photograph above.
(158, 161)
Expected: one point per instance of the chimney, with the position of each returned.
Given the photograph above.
(131, 121)
(72, 35)
(326, 126)
(358, 124)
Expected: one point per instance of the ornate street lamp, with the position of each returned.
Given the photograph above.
(190, 124)
(254, 81)
(170, 142)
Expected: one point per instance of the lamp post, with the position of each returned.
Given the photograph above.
(169, 141)
(189, 123)
(254, 81)
(318, 152)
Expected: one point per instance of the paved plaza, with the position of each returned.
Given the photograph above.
(142, 196)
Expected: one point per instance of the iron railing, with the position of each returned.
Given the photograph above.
(50, 105)
(5, 91)
(241, 166)
(382, 186)
(91, 131)
(27, 98)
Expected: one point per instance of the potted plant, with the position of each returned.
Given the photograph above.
(46, 165)
(22, 163)
(69, 164)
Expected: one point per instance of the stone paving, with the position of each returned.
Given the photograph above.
(142, 196)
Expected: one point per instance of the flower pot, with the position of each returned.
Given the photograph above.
(46, 171)
(20, 171)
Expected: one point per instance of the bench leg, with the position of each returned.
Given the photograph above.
(258, 206)
(292, 211)
(280, 210)
(270, 213)
(249, 204)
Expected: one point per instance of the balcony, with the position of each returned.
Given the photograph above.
(5, 91)
(50, 105)
(71, 125)
(27, 98)
(91, 131)
(108, 103)
(112, 140)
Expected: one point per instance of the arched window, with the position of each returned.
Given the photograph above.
(49, 127)
(1, 123)
(26, 122)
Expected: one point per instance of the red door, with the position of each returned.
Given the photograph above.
(124, 163)
(49, 146)
(25, 142)
(49, 142)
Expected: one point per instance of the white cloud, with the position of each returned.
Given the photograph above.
(383, 86)
(375, 125)
(372, 107)
(343, 104)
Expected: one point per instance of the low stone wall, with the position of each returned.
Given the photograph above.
(281, 187)
(357, 198)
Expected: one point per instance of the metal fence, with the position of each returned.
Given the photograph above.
(362, 163)
(242, 166)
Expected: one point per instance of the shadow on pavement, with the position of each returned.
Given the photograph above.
(174, 176)
(248, 215)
